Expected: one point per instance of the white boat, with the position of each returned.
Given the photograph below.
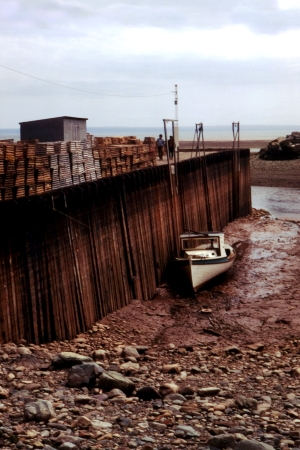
(204, 256)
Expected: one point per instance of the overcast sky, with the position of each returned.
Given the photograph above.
(233, 60)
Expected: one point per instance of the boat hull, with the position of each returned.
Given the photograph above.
(200, 271)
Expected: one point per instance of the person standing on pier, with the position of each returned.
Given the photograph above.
(171, 147)
(160, 143)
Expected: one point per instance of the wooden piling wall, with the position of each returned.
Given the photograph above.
(70, 257)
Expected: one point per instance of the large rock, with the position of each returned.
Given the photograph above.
(5, 432)
(232, 350)
(69, 359)
(84, 375)
(246, 402)
(147, 393)
(295, 372)
(171, 368)
(114, 380)
(129, 367)
(23, 351)
(130, 352)
(4, 393)
(39, 411)
(222, 441)
(189, 432)
(282, 148)
(168, 388)
(100, 355)
(186, 390)
(101, 425)
(208, 391)
(68, 446)
(253, 445)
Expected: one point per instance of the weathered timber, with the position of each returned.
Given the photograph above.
(72, 256)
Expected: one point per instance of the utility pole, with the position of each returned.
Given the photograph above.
(176, 130)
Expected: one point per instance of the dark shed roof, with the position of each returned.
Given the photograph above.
(61, 117)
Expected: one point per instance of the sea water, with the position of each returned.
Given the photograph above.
(283, 203)
(186, 133)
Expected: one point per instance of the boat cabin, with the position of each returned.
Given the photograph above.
(207, 245)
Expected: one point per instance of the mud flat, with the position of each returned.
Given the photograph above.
(274, 173)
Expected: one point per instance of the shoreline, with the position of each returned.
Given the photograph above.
(225, 144)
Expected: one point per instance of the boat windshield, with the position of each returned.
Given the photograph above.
(205, 243)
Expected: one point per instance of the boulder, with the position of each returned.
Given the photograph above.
(124, 422)
(69, 359)
(171, 368)
(130, 352)
(68, 446)
(252, 445)
(222, 441)
(282, 148)
(186, 390)
(208, 391)
(84, 375)
(168, 388)
(188, 431)
(147, 393)
(4, 393)
(175, 397)
(129, 367)
(115, 393)
(243, 402)
(100, 355)
(232, 350)
(23, 351)
(114, 380)
(39, 411)
(5, 432)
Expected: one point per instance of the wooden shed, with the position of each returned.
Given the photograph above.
(63, 128)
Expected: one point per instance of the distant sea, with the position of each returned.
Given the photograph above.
(186, 133)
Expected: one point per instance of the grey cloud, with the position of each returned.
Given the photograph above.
(260, 16)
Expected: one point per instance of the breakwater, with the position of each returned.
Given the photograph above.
(72, 256)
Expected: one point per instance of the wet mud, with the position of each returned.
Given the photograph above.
(256, 300)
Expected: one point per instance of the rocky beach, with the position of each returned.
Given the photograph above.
(216, 370)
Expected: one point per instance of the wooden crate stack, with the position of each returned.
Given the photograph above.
(88, 161)
(8, 189)
(76, 162)
(61, 169)
(43, 151)
(29, 155)
(117, 155)
(32, 167)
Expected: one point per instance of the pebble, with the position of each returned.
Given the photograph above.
(208, 391)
